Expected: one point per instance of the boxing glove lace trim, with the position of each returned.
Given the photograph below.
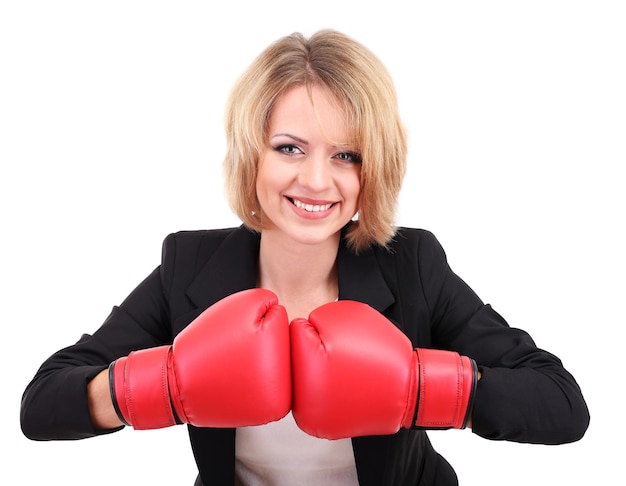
(116, 405)
(470, 404)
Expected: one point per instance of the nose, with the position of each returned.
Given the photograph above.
(315, 173)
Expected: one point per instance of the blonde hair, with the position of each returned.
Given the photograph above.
(362, 86)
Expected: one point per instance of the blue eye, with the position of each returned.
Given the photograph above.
(288, 149)
(349, 157)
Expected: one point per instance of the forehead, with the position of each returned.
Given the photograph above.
(311, 110)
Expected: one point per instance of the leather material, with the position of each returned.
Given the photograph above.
(446, 384)
(357, 374)
(142, 389)
(352, 372)
(229, 368)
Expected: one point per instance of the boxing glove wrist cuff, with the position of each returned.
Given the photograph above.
(472, 392)
(140, 389)
(447, 382)
(116, 406)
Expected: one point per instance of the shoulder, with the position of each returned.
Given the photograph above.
(413, 253)
(187, 251)
(191, 238)
(413, 243)
(205, 242)
(404, 236)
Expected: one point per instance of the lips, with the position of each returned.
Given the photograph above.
(311, 208)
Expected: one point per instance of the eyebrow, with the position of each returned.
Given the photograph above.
(301, 140)
(289, 135)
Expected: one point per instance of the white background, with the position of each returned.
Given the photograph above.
(111, 137)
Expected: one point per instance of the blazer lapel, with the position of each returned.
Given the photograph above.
(361, 279)
(232, 267)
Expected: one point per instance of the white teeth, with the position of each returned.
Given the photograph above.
(311, 208)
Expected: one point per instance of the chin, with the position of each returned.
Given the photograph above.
(308, 237)
(313, 240)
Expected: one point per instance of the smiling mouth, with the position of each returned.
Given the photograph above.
(311, 208)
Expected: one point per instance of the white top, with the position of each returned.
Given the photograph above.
(280, 454)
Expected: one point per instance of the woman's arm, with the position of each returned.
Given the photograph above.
(68, 398)
(103, 415)
(525, 394)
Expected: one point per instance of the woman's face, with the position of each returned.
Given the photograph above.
(308, 178)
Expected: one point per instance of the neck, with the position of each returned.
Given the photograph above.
(293, 270)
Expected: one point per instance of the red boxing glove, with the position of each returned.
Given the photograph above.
(229, 368)
(355, 373)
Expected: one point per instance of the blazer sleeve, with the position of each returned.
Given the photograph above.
(525, 394)
(54, 404)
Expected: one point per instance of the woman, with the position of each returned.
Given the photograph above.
(317, 318)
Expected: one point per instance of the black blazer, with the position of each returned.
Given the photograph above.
(525, 394)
